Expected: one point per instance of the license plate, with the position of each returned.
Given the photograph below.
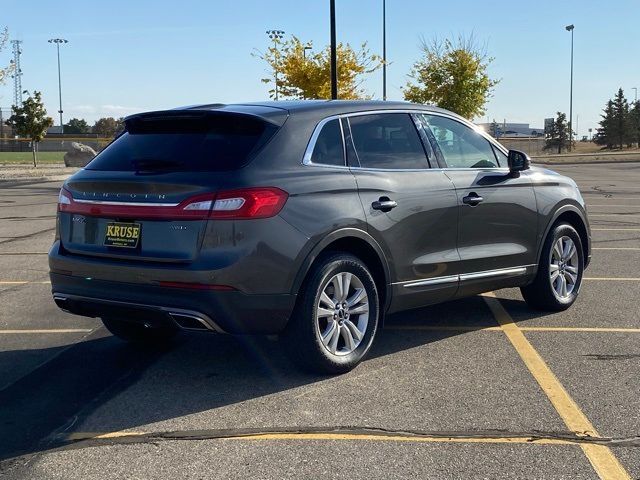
(122, 235)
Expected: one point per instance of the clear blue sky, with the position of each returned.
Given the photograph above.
(126, 56)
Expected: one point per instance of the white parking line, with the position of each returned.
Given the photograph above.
(615, 248)
(45, 330)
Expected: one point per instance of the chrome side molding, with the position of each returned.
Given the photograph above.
(500, 272)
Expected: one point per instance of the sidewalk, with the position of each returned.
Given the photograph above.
(46, 172)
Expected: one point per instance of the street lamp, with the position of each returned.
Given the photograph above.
(570, 28)
(304, 51)
(384, 50)
(276, 36)
(58, 41)
(334, 57)
(636, 90)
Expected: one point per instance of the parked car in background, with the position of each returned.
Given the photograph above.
(308, 219)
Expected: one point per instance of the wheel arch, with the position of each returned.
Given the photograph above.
(360, 244)
(575, 217)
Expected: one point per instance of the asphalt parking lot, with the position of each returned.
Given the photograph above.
(478, 388)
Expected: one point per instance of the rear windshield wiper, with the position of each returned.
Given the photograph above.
(154, 164)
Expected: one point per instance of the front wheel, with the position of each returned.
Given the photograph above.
(559, 276)
(336, 317)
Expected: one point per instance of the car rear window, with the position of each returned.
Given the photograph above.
(189, 142)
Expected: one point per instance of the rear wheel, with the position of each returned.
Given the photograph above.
(559, 276)
(336, 317)
(139, 333)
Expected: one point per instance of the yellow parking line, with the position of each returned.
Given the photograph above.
(612, 279)
(45, 330)
(615, 229)
(452, 328)
(340, 436)
(581, 329)
(602, 459)
(443, 328)
(22, 282)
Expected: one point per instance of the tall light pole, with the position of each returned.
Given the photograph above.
(304, 51)
(58, 41)
(384, 49)
(276, 36)
(636, 90)
(334, 61)
(570, 28)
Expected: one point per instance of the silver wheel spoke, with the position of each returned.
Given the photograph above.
(329, 333)
(571, 269)
(557, 248)
(324, 298)
(356, 297)
(360, 309)
(337, 288)
(333, 341)
(325, 312)
(348, 338)
(570, 277)
(357, 334)
(554, 275)
(563, 286)
(571, 250)
(346, 283)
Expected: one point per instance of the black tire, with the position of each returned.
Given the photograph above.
(140, 334)
(541, 294)
(302, 336)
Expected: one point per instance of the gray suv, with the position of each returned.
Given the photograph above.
(308, 219)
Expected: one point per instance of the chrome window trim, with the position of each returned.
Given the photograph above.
(492, 141)
(511, 271)
(134, 204)
(306, 159)
(308, 153)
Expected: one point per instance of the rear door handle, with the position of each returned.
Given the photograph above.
(384, 204)
(472, 199)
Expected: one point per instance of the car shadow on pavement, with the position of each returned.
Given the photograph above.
(103, 385)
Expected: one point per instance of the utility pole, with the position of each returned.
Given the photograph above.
(570, 28)
(636, 90)
(17, 73)
(276, 36)
(59, 41)
(334, 61)
(384, 49)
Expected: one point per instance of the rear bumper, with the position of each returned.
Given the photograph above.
(222, 311)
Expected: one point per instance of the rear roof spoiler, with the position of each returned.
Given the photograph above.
(275, 117)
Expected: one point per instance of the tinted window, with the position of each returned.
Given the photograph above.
(199, 142)
(388, 140)
(502, 158)
(329, 149)
(461, 146)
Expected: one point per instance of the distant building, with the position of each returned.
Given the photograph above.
(56, 129)
(513, 130)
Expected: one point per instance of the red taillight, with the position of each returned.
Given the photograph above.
(245, 203)
(249, 203)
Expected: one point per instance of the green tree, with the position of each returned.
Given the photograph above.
(452, 75)
(30, 120)
(634, 119)
(307, 74)
(558, 137)
(77, 125)
(106, 127)
(604, 132)
(616, 126)
(5, 71)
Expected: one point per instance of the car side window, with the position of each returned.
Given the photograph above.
(329, 148)
(461, 146)
(502, 158)
(387, 140)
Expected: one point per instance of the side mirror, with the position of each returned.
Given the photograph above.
(518, 161)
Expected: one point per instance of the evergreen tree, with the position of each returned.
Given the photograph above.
(621, 125)
(559, 135)
(605, 132)
(634, 119)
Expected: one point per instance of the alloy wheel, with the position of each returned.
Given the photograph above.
(342, 314)
(564, 267)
